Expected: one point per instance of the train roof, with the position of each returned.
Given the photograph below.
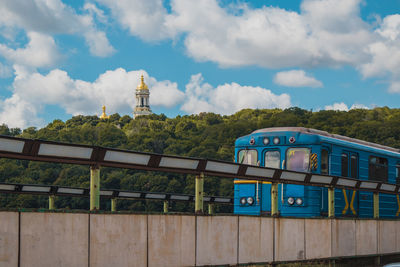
(326, 134)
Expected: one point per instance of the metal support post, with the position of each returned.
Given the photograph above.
(376, 205)
(166, 204)
(274, 199)
(199, 186)
(94, 188)
(211, 208)
(331, 202)
(52, 199)
(113, 205)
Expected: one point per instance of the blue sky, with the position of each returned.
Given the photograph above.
(63, 58)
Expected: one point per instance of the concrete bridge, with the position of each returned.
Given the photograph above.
(88, 239)
(95, 239)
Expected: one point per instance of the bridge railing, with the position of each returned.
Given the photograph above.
(113, 194)
(95, 157)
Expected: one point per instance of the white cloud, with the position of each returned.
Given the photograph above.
(98, 43)
(96, 12)
(32, 91)
(228, 98)
(343, 107)
(41, 51)
(114, 88)
(145, 19)
(15, 112)
(394, 87)
(385, 53)
(296, 78)
(323, 33)
(49, 17)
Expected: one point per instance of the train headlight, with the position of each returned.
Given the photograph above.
(250, 200)
(290, 201)
(299, 201)
(266, 141)
(243, 201)
(276, 140)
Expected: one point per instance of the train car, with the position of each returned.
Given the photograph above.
(310, 150)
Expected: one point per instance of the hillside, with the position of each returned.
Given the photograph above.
(206, 135)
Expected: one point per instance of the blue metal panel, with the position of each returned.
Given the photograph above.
(265, 198)
(245, 190)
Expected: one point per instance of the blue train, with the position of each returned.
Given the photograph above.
(309, 150)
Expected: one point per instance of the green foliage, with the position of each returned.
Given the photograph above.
(205, 135)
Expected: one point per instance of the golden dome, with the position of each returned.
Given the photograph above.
(142, 85)
(104, 115)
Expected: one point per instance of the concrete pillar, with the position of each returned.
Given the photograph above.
(94, 188)
(331, 202)
(166, 204)
(274, 199)
(210, 208)
(376, 205)
(113, 204)
(52, 199)
(199, 188)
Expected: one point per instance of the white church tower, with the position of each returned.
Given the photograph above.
(142, 99)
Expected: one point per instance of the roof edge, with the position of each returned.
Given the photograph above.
(326, 134)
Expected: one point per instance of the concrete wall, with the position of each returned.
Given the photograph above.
(9, 238)
(343, 238)
(171, 240)
(289, 239)
(318, 236)
(54, 239)
(118, 240)
(217, 240)
(67, 239)
(366, 237)
(256, 239)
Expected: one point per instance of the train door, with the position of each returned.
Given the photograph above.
(272, 159)
(349, 162)
(325, 155)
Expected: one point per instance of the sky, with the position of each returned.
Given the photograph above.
(61, 58)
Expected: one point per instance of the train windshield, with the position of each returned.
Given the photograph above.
(272, 159)
(298, 159)
(248, 157)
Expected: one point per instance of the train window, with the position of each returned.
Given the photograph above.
(273, 159)
(398, 173)
(324, 161)
(378, 169)
(353, 166)
(298, 159)
(345, 165)
(247, 156)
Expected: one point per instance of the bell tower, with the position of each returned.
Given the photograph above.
(142, 99)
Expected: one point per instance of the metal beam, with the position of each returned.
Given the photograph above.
(376, 205)
(331, 202)
(49, 190)
(51, 202)
(210, 208)
(47, 151)
(113, 205)
(199, 188)
(274, 199)
(166, 204)
(94, 188)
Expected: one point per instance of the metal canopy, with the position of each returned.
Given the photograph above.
(38, 150)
